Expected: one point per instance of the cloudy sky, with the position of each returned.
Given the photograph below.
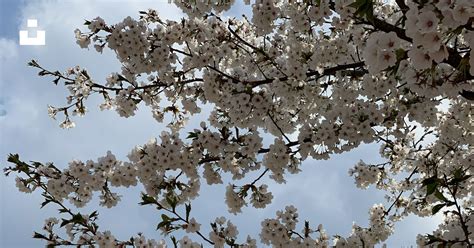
(323, 192)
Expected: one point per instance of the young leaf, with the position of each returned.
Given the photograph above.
(306, 229)
(172, 201)
(65, 222)
(33, 63)
(440, 196)
(56, 81)
(77, 218)
(165, 217)
(62, 210)
(175, 243)
(430, 188)
(39, 236)
(93, 214)
(192, 135)
(188, 210)
(437, 207)
(13, 158)
(45, 203)
(429, 180)
(162, 224)
(146, 199)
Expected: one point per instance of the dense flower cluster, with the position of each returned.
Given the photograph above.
(365, 175)
(322, 77)
(281, 232)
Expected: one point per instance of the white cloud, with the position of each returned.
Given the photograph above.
(8, 49)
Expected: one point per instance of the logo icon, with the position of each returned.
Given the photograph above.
(39, 40)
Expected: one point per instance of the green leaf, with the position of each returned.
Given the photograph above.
(450, 203)
(440, 196)
(464, 178)
(459, 176)
(364, 8)
(21, 166)
(36, 164)
(13, 158)
(357, 4)
(432, 239)
(458, 173)
(172, 109)
(77, 218)
(146, 199)
(33, 63)
(306, 229)
(369, 11)
(430, 188)
(192, 135)
(87, 22)
(437, 207)
(162, 224)
(172, 201)
(165, 217)
(429, 180)
(166, 222)
(401, 54)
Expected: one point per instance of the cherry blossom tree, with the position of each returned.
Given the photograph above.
(333, 74)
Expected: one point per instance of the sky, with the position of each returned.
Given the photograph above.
(323, 192)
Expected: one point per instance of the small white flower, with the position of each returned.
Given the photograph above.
(67, 124)
(82, 40)
(52, 111)
(463, 11)
(193, 226)
(427, 22)
(420, 59)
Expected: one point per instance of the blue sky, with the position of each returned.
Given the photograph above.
(323, 192)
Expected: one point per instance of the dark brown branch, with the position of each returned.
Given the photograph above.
(459, 214)
(469, 95)
(259, 177)
(279, 128)
(402, 5)
(326, 72)
(415, 170)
